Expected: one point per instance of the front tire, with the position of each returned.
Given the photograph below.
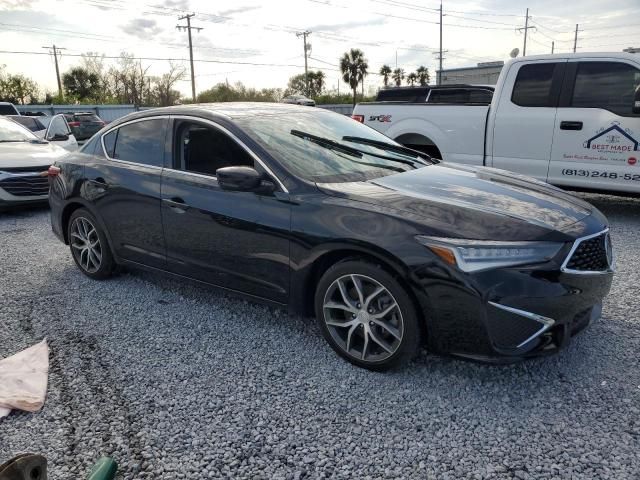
(367, 316)
(89, 246)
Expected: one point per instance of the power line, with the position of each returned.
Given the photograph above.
(526, 29)
(304, 36)
(188, 29)
(55, 57)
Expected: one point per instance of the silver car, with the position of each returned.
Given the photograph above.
(299, 100)
(24, 163)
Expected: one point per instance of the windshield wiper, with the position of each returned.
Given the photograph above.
(328, 143)
(388, 147)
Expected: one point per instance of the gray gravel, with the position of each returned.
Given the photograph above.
(177, 381)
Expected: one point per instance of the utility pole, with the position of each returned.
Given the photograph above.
(440, 54)
(575, 40)
(553, 44)
(526, 29)
(55, 58)
(304, 36)
(188, 28)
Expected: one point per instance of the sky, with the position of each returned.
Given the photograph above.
(255, 42)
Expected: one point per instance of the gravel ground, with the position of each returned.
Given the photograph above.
(177, 381)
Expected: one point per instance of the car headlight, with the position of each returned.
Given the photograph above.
(478, 255)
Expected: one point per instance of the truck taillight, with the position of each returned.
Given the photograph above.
(74, 124)
(358, 118)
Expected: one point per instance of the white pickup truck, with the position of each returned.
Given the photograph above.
(572, 120)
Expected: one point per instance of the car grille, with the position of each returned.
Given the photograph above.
(591, 255)
(26, 186)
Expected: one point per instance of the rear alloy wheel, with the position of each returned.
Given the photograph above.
(366, 315)
(89, 245)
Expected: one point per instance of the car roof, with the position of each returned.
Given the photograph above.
(226, 110)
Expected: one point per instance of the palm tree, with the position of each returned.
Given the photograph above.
(385, 71)
(412, 78)
(354, 68)
(398, 76)
(423, 75)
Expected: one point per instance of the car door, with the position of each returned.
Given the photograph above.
(123, 182)
(524, 119)
(597, 133)
(58, 131)
(237, 240)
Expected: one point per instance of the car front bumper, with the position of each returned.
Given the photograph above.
(508, 314)
(23, 188)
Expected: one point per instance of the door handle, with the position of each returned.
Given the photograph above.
(568, 125)
(176, 203)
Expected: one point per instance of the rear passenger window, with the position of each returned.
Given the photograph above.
(607, 85)
(204, 149)
(533, 86)
(139, 142)
(110, 142)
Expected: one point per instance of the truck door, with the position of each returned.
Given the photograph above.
(596, 141)
(524, 118)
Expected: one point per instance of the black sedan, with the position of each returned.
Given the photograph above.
(310, 209)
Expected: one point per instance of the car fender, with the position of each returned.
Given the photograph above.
(83, 203)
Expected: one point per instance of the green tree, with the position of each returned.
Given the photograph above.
(423, 75)
(297, 84)
(17, 88)
(223, 92)
(354, 68)
(398, 76)
(164, 93)
(81, 84)
(412, 78)
(385, 71)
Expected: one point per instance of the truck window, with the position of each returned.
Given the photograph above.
(607, 85)
(449, 95)
(533, 86)
(480, 96)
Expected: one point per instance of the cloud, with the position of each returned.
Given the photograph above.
(176, 4)
(233, 11)
(16, 4)
(142, 28)
(339, 27)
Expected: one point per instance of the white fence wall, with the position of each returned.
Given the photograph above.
(109, 113)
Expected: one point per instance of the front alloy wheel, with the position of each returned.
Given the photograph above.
(366, 315)
(363, 317)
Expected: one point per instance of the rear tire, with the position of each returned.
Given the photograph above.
(89, 247)
(367, 316)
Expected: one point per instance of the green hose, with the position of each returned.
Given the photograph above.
(104, 469)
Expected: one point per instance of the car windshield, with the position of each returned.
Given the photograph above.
(312, 145)
(10, 131)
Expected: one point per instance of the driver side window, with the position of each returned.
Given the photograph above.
(203, 149)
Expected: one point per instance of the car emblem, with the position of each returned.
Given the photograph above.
(608, 248)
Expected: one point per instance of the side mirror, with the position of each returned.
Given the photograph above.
(58, 137)
(238, 179)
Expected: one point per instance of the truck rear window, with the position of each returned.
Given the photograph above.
(460, 96)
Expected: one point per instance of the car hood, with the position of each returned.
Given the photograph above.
(26, 154)
(472, 202)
